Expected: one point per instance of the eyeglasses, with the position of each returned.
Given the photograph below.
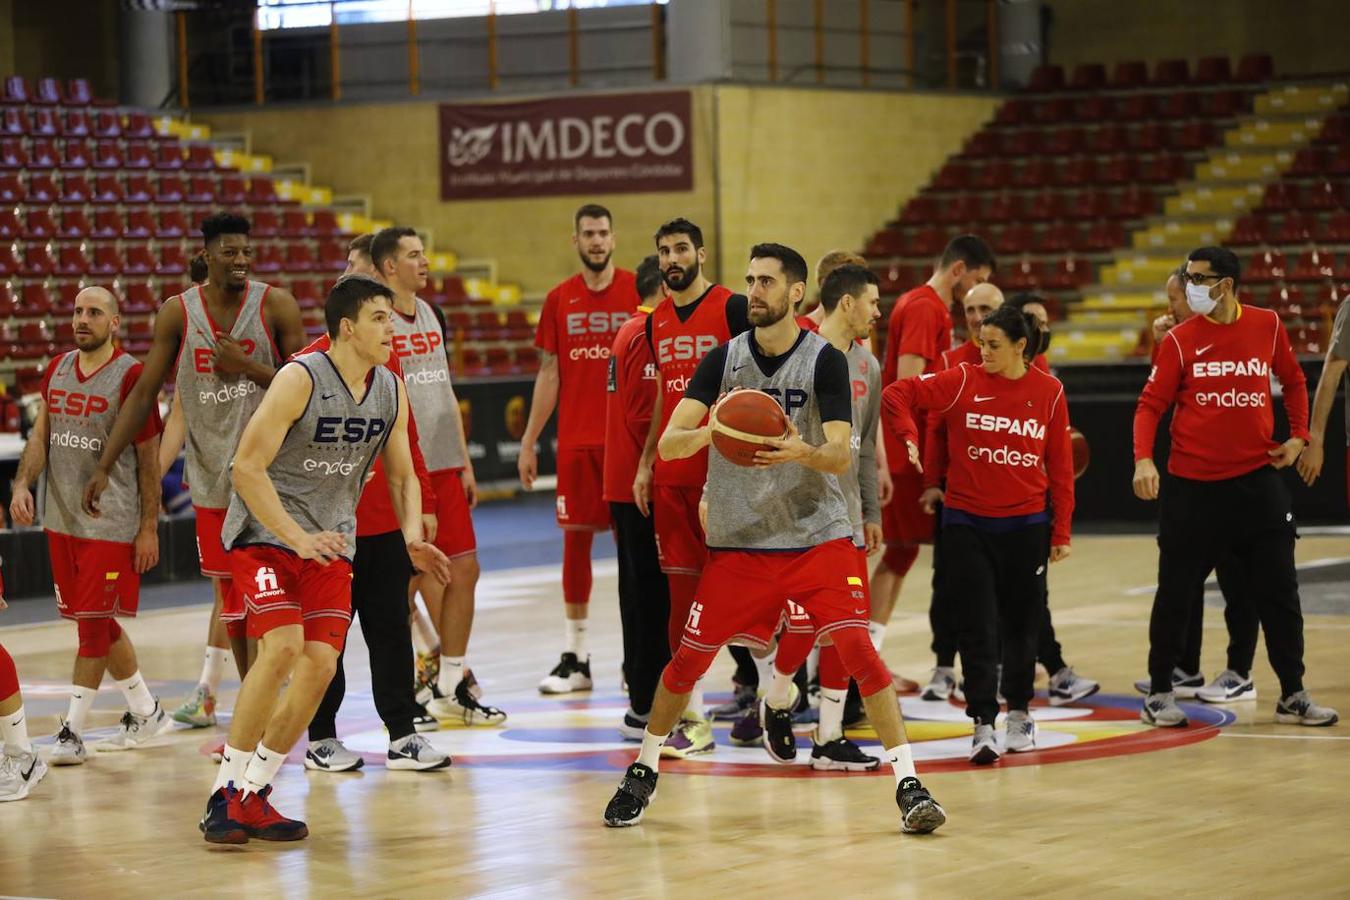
(1201, 278)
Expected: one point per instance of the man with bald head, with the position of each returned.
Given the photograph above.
(97, 560)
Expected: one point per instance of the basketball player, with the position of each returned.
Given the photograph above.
(779, 527)
(920, 329)
(696, 317)
(1008, 439)
(849, 298)
(1235, 683)
(1223, 494)
(1333, 369)
(644, 594)
(1066, 686)
(419, 343)
(577, 326)
(298, 472)
(223, 339)
(21, 768)
(97, 560)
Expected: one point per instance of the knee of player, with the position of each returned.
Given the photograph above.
(281, 647)
(465, 568)
(322, 659)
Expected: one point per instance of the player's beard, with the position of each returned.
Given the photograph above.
(770, 316)
(89, 343)
(689, 277)
(596, 267)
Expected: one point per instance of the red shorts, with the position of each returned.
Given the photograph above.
(279, 588)
(94, 579)
(212, 557)
(680, 544)
(903, 521)
(800, 620)
(740, 596)
(581, 489)
(454, 525)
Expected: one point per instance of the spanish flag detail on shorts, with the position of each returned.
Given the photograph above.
(110, 576)
(854, 581)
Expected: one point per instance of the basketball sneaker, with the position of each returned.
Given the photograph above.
(778, 738)
(569, 675)
(1184, 684)
(328, 755)
(983, 748)
(630, 801)
(198, 709)
(1162, 710)
(633, 726)
(464, 708)
(414, 753)
(1298, 709)
(1067, 686)
(136, 730)
(842, 755)
(20, 773)
(261, 820)
(747, 732)
(216, 824)
(1230, 687)
(942, 686)
(1019, 731)
(693, 736)
(743, 697)
(69, 748)
(919, 812)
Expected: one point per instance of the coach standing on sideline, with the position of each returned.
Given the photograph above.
(1223, 494)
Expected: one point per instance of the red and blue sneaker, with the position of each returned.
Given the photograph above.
(217, 825)
(261, 820)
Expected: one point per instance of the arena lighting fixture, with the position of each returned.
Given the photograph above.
(280, 14)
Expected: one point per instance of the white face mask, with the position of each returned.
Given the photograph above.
(1199, 300)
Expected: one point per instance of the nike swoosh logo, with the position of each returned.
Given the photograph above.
(832, 699)
(979, 399)
(575, 300)
(738, 368)
(329, 396)
(1200, 351)
(859, 612)
(29, 774)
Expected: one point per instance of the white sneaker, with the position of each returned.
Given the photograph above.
(983, 749)
(69, 748)
(569, 675)
(1162, 710)
(20, 773)
(1019, 732)
(1299, 709)
(942, 686)
(464, 709)
(329, 755)
(1230, 687)
(1067, 686)
(137, 730)
(414, 753)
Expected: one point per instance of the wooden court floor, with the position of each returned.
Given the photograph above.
(1234, 806)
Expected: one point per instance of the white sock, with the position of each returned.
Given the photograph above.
(233, 762)
(452, 672)
(139, 699)
(576, 639)
(650, 754)
(81, 700)
(14, 729)
(765, 668)
(902, 762)
(831, 714)
(262, 769)
(877, 632)
(695, 707)
(213, 669)
(779, 693)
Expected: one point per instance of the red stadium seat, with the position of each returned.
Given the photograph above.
(48, 92)
(138, 188)
(1017, 237)
(883, 243)
(13, 121)
(200, 189)
(1033, 173)
(1335, 130)
(1194, 135)
(1129, 74)
(527, 359)
(1067, 274)
(79, 93)
(1335, 229)
(959, 209)
(1116, 170)
(1255, 67)
(172, 224)
(326, 224)
(1322, 195)
(1056, 238)
(1133, 107)
(1107, 137)
(1265, 267)
(268, 258)
(1104, 236)
(332, 256)
(42, 154)
(44, 123)
(71, 260)
(1296, 228)
(1045, 79)
(1088, 77)
(10, 226)
(169, 190)
(1052, 111)
(1061, 141)
(139, 260)
(42, 189)
(107, 261)
(138, 156)
(231, 191)
(1279, 196)
(140, 224)
(1004, 208)
(294, 223)
(1022, 275)
(1092, 108)
(1249, 230)
(299, 257)
(12, 154)
(200, 158)
(1078, 170)
(9, 265)
(1163, 168)
(34, 302)
(76, 155)
(307, 293)
(37, 261)
(1212, 70)
(169, 157)
(265, 224)
(39, 224)
(172, 260)
(926, 242)
(1016, 143)
(12, 189)
(1314, 265)
(1223, 104)
(140, 298)
(108, 224)
(107, 155)
(75, 123)
(15, 90)
(1013, 112)
(1048, 205)
(981, 143)
(107, 124)
(262, 192)
(138, 126)
(919, 210)
(1149, 137)
(1171, 72)
(1176, 105)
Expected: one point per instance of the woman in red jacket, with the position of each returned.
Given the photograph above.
(1008, 436)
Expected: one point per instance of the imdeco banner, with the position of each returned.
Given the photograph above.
(589, 144)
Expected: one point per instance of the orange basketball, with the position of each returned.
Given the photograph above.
(744, 420)
(1082, 455)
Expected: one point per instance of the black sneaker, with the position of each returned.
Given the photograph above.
(464, 708)
(568, 676)
(919, 812)
(842, 755)
(743, 697)
(633, 726)
(778, 738)
(630, 801)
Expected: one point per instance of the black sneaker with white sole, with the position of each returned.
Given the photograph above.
(630, 801)
(842, 755)
(778, 738)
(919, 812)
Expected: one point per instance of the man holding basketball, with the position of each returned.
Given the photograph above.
(779, 527)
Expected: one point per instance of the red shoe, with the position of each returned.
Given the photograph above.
(903, 685)
(218, 826)
(261, 820)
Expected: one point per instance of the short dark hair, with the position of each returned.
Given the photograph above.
(969, 249)
(384, 245)
(1017, 325)
(223, 223)
(1223, 261)
(347, 296)
(848, 279)
(591, 211)
(1020, 300)
(680, 226)
(197, 270)
(794, 267)
(649, 279)
(361, 243)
